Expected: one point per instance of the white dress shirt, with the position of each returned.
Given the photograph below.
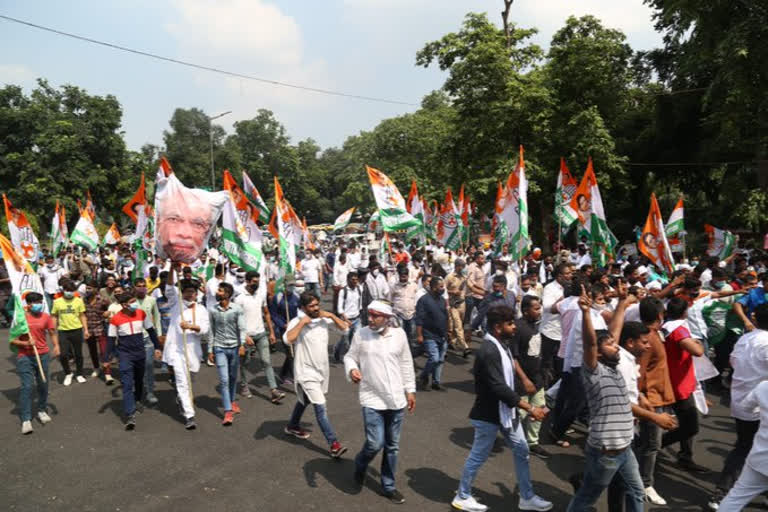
(757, 399)
(550, 322)
(630, 371)
(749, 360)
(197, 315)
(253, 309)
(340, 272)
(384, 360)
(350, 302)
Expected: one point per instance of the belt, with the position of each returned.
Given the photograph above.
(613, 453)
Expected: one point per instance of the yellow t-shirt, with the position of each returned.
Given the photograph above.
(151, 285)
(67, 313)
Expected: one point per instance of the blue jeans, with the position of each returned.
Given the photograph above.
(320, 415)
(382, 430)
(600, 470)
(435, 349)
(149, 367)
(313, 288)
(227, 362)
(342, 346)
(131, 378)
(26, 368)
(485, 435)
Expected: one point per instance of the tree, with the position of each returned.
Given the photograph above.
(188, 147)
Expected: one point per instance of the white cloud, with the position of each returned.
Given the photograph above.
(254, 38)
(16, 74)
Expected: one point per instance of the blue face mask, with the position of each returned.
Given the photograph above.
(133, 306)
(36, 308)
(498, 294)
(718, 285)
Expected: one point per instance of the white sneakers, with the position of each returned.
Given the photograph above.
(26, 427)
(469, 504)
(43, 417)
(95, 374)
(536, 503)
(80, 379)
(652, 497)
(68, 379)
(108, 380)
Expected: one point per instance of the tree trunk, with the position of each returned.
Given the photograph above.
(505, 19)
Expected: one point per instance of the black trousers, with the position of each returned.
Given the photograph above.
(571, 402)
(734, 462)
(551, 365)
(71, 340)
(688, 419)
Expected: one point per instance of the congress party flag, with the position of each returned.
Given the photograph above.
(254, 197)
(342, 221)
(85, 234)
(240, 235)
(289, 234)
(416, 208)
(566, 187)
(58, 230)
(22, 236)
(306, 237)
(23, 277)
(514, 212)
(588, 205)
(137, 202)
(184, 217)
(675, 228)
(653, 240)
(112, 236)
(721, 243)
(394, 215)
(448, 231)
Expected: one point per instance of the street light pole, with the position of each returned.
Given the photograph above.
(210, 137)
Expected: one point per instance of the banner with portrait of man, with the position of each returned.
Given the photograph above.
(184, 217)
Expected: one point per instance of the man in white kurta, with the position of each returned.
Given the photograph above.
(191, 318)
(308, 333)
(379, 360)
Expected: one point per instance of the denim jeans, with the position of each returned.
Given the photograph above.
(313, 288)
(320, 415)
(382, 430)
(342, 346)
(28, 372)
(149, 367)
(435, 349)
(647, 449)
(131, 378)
(227, 361)
(485, 435)
(261, 342)
(600, 469)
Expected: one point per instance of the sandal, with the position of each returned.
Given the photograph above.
(277, 396)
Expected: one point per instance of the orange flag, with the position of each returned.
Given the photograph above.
(131, 208)
(653, 240)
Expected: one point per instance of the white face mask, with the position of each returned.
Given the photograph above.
(378, 330)
(189, 303)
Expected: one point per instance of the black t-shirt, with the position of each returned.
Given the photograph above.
(526, 348)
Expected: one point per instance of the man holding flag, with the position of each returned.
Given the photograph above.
(27, 338)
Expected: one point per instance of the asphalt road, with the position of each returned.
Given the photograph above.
(85, 461)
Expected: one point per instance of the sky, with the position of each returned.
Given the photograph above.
(360, 47)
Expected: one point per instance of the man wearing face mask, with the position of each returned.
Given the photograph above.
(190, 318)
(40, 324)
(379, 361)
(50, 275)
(403, 298)
(239, 283)
(431, 327)
(285, 304)
(499, 295)
(69, 312)
(551, 328)
(126, 328)
(148, 304)
(376, 281)
(456, 286)
(257, 342)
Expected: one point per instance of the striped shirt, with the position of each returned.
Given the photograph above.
(129, 331)
(611, 424)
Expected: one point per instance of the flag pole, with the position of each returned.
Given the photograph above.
(39, 363)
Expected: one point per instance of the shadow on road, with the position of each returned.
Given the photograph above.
(275, 429)
(338, 472)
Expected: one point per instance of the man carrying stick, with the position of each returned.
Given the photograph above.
(32, 360)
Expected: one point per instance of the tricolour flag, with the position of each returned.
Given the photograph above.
(240, 235)
(675, 228)
(22, 236)
(566, 187)
(429, 220)
(19, 325)
(653, 241)
(58, 230)
(306, 237)
(374, 222)
(288, 228)
(112, 236)
(392, 210)
(448, 231)
(588, 205)
(721, 242)
(342, 221)
(463, 207)
(254, 197)
(85, 234)
(385, 249)
(138, 200)
(23, 277)
(514, 211)
(416, 208)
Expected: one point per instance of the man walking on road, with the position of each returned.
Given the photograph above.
(308, 333)
(379, 360)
